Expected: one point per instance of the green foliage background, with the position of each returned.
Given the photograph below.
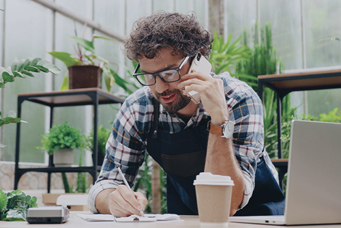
(14, 205)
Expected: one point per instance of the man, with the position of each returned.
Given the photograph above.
(185, 138)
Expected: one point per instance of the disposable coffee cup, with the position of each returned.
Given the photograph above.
(213, 194)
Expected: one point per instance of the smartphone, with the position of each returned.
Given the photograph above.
(47, 214)
(199, 64)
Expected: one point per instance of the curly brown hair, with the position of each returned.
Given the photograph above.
(182, 33)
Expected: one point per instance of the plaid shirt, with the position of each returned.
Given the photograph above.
(128, 141)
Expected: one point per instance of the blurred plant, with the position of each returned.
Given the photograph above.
(332, 116)
(25, 67)
(21, 69)
(102, 138)
(263, 60)
(81, 182)
(14, 205)
(225, 55)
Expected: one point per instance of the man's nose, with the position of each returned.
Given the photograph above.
(161, 86)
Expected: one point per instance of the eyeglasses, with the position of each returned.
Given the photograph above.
(168, 76)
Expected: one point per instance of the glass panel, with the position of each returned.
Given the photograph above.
(184, 6)
(65, 28)
(323, 101)
(24, 40)
(321, 24)
(201, 12)
(285, 19)
(135, 10)
(167, 5)
(110, 13)
(2, 21)
(239, 14)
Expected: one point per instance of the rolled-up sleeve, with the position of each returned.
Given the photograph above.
(248, 137)
(124, 149)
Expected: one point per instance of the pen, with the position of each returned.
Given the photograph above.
(126, 183)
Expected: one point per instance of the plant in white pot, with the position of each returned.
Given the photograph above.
(60, 141)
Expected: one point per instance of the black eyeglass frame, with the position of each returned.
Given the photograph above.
(158, 73)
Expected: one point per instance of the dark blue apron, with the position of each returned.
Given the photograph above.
(182, 156)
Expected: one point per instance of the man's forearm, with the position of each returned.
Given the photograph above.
(102, 201)
(220, 159)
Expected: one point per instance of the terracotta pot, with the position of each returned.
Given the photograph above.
(63, 157)
(87, 76)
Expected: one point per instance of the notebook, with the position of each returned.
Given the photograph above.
(313, 192)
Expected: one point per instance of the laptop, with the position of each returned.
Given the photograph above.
(313, 192)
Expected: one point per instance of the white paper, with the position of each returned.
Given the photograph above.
(132, 218)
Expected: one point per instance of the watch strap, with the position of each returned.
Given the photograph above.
(217, 130)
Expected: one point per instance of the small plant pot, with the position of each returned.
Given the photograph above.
(63, 157)
(88, 76)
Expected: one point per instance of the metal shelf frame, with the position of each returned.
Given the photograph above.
(284, 84)
(75, 97)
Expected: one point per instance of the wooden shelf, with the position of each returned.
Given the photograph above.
(71, 97)
(286, 83)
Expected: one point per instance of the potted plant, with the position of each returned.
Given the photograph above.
(86, 69)
(102, 138)
(14, 205)
(60, 141)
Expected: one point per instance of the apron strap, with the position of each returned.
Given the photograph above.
(156, 105)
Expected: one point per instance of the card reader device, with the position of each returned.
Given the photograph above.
(47, 214)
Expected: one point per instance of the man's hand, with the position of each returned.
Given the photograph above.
(120, 202)
(211, 92)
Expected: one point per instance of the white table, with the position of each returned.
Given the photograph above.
(186, 221)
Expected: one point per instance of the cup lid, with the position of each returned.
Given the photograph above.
(207, 178)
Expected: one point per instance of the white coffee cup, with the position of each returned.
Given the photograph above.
(213, 194)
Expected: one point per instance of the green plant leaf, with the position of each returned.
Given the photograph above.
(8, 120)
(18, 74)
(103, 37)
(35, 61)
(33, 69)
(51, 67)
(3, 200)
(26, 63)
(43, 69)
(62, 56)
(65, 84)
(27, 73)
(86, 44)
(7, 77)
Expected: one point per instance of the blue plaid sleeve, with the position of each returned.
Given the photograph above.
(125, 147)
(246, 111)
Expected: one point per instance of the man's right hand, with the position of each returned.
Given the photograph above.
(120, 202)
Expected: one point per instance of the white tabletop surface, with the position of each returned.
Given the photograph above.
(186, 221)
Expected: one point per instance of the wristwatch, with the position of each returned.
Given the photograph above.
(225, 130)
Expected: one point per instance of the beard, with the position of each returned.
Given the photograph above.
(179, 103)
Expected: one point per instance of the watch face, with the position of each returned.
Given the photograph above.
(228, 129)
